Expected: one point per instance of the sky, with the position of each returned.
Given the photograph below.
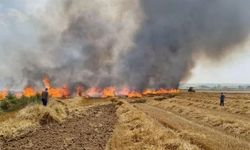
(14, 20)
(235, 69)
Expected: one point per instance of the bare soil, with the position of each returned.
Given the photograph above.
(88, 131)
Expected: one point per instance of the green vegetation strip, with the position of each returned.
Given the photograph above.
(12, 103)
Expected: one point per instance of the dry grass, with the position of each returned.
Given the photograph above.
(234, 103)
(136, 130)
(231, 122)
(203, 136)
(204, 109)
(137, 100)
(187, 121)
(32, 116)
(6, 115)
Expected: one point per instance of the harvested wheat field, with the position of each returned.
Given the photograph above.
(187, 121)
(72, 124)
(198, 119)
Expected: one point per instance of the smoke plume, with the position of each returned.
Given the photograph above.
(176, 31)
(135, 43)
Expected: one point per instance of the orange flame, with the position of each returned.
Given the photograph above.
(3, 94)
(167, 91)
(124, 91)
(93, 92)
(29, 91)
(109, 92)
(134, 94)
(59, 92)
(149, 92)
(63, 92)
(56, 92)
(160, 91)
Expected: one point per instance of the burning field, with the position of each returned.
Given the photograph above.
(113, 70)
(116, 47)
(92, 92)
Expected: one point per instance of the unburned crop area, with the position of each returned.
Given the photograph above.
(186, 121)
(198, 117)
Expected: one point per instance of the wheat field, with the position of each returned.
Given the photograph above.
(187, 121)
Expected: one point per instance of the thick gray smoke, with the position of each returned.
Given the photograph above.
(140, 44)
(84, 41)
(175, 31)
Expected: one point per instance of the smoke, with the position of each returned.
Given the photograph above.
(176, 31)
(83, 41)
(135, 43)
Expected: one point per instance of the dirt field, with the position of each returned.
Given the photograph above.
(90, 130)
(188, 121)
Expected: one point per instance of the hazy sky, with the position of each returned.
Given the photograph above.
(14, 19)
(235, 69)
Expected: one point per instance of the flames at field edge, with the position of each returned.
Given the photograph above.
(64, 92)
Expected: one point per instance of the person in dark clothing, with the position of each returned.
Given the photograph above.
(45, 96)
(222, 99)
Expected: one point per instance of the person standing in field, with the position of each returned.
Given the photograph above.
(45, 96)
(222, 99)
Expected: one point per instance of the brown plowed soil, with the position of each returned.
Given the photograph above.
(89, 131)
